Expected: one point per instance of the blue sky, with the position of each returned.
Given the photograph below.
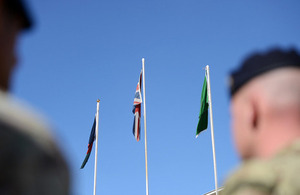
(81, 50)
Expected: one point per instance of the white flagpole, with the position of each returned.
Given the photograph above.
(96, 148)
(145, 127)
(212, 127)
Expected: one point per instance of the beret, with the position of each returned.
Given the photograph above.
(259, 63)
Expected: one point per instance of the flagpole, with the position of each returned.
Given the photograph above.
(145, 127)
(96, 148)
(212, 128)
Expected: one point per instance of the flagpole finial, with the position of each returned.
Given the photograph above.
(143, 59)
(206, 67)
(98, 100)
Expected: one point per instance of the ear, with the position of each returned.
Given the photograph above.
(254, 116)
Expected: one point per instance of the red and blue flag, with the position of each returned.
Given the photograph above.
(90, 145)
(137, 109)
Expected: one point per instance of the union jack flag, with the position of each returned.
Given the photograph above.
(137, 109)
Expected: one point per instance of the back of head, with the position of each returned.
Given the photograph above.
(265, 94)
(276, 76)
(280, 90)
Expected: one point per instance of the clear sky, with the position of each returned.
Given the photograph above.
(81, 50)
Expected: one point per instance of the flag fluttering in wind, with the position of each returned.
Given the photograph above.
(137, 109)
(137, 103)
(90, 145)
(206, 104)
(203, 115)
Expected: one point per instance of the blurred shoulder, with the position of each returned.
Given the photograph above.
(279, 175)
(30, 160)
(19, 117)
(253, 177)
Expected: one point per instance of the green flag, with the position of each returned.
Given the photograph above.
(203, 115)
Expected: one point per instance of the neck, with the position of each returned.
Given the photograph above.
(274, 139)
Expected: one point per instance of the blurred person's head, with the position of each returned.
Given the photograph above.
(13, 19)
(265, 103)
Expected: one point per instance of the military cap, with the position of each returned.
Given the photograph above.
(260, 63)
(18, 7)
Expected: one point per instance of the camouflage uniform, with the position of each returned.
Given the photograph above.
(30, 162)
(277, 176)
